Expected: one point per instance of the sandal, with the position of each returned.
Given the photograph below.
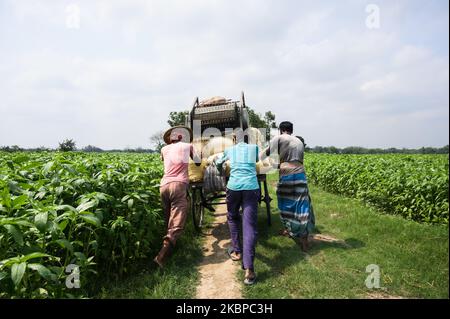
(249, 278)
(284, 232)
(234, 256)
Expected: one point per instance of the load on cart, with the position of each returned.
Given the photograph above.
(213, 122)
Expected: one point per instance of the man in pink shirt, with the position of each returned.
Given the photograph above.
(174, 186)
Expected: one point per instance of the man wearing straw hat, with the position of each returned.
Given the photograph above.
(174, 185)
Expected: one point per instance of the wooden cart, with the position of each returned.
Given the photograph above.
(198, 201)
(222, 116)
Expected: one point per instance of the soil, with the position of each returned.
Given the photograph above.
(317, 238)
(381, 295)
(218, 278)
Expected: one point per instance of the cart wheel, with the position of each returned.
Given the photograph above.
(197, 208)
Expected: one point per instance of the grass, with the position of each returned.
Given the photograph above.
(178, 280)
(413, 257)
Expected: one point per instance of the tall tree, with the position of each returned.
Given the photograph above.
(157, 141)
(269, 118)
(67, 145)
(177, 118)
(267, 121)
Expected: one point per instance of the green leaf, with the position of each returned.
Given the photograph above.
(64, 243)
(91, 219)
(3, 275)
(65, 208)
(14, 187)
(19, 201)
(10, 165)
(40, 221)
(33, 256)
(16, 234)
(78, 243)
(43, 271)
(80, 256)
(59, 190)
(62, 225)
(6, 197)
(21, 159)
(20, 259)
(17, 272)
(68, 215)
(85, 206)
(43, 291)
(48, 167)
(94, 244)
(23, 223)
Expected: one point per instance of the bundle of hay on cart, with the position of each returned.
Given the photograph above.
(216, 119)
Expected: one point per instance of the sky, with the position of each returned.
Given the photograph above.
(108, 72)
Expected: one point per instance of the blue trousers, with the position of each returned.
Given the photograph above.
(248, 200)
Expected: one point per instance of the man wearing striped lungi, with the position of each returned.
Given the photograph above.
(294, 201)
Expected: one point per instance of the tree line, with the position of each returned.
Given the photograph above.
(69, 145)
(268, 121)
(363, 150)
(316, 149)
(256, 119)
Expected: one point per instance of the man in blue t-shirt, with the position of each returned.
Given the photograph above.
(242, 191)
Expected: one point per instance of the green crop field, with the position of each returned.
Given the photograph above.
(102, 212)
(98, 211)
(413, 186)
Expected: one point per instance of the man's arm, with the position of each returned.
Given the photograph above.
(195, 156)
(273, 145)
(221, 160)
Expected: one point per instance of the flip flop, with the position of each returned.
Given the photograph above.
(233, 257)
(250, 280)
(284, 232)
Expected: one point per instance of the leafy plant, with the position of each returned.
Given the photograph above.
(100, 212)
(414, 186)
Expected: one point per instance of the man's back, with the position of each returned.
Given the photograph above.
(243, 158)
(289, 147)
(176, 160)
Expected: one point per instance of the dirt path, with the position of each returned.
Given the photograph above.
(217, 271)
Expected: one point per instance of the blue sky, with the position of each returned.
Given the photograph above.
(108, 72)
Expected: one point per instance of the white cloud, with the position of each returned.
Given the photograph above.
(410, 55)
(113, 82)
(383, 84)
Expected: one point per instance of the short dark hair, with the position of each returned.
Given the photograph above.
(286, 126)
